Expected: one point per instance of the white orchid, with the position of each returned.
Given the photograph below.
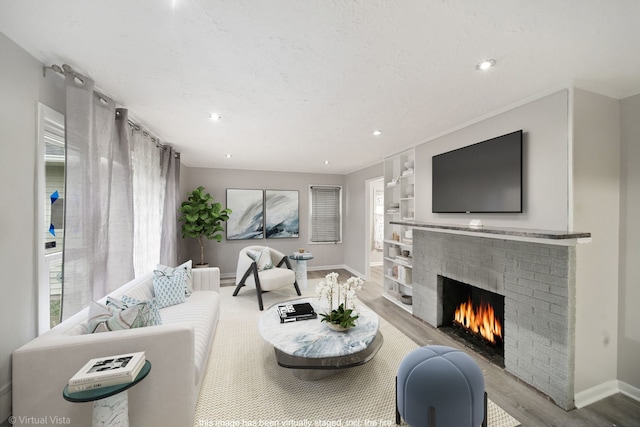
(344, 293)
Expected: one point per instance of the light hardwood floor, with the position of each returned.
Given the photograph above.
(529, 406)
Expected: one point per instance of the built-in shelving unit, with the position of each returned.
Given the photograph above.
(399, 202)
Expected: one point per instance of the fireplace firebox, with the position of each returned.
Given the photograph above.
(475, 317)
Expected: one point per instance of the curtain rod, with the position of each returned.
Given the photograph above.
(67, 69)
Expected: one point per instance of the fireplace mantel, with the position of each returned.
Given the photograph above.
(550, 237)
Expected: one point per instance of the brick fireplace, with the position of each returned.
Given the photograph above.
(537, 280)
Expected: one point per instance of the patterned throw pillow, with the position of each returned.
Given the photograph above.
(187, 266)
(262, 259)
(170, 289)
(115, 316)
(154, 312)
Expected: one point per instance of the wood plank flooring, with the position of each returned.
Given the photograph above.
(529, 406)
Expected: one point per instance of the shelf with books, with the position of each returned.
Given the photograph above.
(399, 200)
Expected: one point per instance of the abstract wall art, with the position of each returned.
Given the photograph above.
(247, 217)
(281, 214)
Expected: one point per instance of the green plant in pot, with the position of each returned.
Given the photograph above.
(340, 319)
(202, 218)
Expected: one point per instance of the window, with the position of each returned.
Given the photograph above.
(326, 214)
(51, 190)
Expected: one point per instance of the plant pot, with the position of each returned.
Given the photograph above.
(206, 265)
(336, 327)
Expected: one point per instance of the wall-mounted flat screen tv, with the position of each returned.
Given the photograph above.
(481, 178)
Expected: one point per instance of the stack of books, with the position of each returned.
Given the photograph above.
(295, 312)
(107, 371)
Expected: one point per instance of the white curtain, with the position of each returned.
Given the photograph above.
(121, 198)
(98, 247)
(148, 200)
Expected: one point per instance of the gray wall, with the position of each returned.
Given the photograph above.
(545, 124)
(22, 86)
(225, 253)
(629, 294)
(356, 212)
(596, 208)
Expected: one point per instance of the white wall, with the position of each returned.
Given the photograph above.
(629, 296)
(596, 208)
(225, 253)
(545, 164)
(22, 86)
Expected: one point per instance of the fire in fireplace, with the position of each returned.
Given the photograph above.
(475, 317)
(479, 319)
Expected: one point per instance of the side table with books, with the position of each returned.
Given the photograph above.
(109, 393)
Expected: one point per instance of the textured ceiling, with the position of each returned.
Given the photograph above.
(300, 82)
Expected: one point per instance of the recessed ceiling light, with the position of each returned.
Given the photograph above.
(486, 64)
(228, 156)
(376, 133)
(215, 117)
(326, 162)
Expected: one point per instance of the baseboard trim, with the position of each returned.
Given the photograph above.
(629, 390)
(604, 390)
(5, 402)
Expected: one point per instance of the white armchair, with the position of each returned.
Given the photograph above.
(264, 273)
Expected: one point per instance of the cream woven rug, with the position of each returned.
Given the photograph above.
(244, 387)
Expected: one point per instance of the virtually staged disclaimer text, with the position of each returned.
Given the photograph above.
(203, 422)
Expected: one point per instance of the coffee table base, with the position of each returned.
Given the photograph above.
(312, 369)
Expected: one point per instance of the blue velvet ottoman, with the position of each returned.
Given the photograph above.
(438, 385)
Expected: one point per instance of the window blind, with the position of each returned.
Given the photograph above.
(326, 218)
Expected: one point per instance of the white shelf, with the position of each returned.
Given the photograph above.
(395, 242)
(406, 285)
(405, 307)
(395, 261)
(400, 178)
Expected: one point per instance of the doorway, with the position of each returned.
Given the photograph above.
(374, 229)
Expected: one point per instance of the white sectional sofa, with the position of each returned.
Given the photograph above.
(178, 351)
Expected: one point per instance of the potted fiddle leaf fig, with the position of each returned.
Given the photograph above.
(202, 218)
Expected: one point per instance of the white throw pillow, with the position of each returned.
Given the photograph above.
(170, 289)
(262, 259)
(187, 267)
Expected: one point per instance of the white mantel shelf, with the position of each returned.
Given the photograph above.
(550, 237)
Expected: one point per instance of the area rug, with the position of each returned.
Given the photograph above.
(244, 387)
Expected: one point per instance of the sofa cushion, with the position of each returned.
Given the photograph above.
(169, 289)
(273, 279)
(115, 316)
(202, 310)
(187, 266)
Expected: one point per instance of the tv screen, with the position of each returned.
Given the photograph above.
(482, 178)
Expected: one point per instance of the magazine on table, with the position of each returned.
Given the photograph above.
(295, 312)
(107, 371)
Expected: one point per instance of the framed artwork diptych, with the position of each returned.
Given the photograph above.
(281, 214)
(247, 214)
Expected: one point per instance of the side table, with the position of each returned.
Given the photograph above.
(110, 404)
(301, 259)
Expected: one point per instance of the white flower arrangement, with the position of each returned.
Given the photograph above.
(337, 293)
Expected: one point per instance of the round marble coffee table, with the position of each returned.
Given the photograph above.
(312, 350)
